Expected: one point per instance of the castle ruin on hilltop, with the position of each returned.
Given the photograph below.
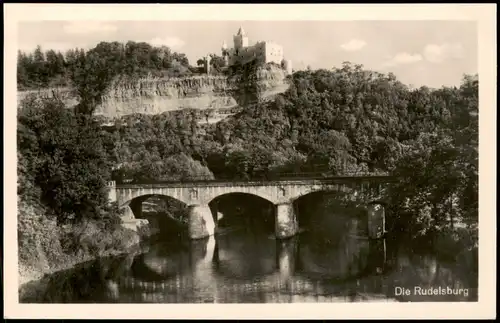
(262, 52)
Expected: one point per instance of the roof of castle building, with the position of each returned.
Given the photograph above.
(241, 32)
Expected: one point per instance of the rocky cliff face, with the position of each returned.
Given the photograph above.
(66, 94)
(154, 96)
(253, 84)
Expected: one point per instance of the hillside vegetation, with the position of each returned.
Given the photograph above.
(41, 69)
(341, 121)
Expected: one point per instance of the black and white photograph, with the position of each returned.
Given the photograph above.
(248, 161)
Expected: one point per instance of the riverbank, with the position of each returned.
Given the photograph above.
(45, 248)
(27, 274)
(33, 282)
(30, 280)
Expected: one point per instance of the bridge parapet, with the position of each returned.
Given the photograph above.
(276, 192)
(260, 182)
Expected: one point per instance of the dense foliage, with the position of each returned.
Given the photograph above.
(64, 215)
(62, 155)
(97, 66)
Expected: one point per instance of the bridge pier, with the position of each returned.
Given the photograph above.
(286, 221)
(201, 222)
(376, 220)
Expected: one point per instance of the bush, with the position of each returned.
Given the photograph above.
(38, 239)
(44, 246)
(93, 239)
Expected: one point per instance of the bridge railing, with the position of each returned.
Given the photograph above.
(264, 178)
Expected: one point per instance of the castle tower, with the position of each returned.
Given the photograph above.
(240, 39)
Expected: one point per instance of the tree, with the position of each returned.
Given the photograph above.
(40, 71)
(24, 65)
(64, 156)
(217, 63)
(91, 75)
(438, 171)
(55, 65)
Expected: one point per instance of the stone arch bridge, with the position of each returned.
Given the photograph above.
(282, 193)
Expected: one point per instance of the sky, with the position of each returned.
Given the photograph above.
(431, 53)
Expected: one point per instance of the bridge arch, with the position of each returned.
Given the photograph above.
(261, 196)
(142, 198)
(243, 208)
(330, 211)
(125, 194)
(163, 214)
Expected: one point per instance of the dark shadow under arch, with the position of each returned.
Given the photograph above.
(326, 207)
(166, 215)
(154, 202)
(240, 209)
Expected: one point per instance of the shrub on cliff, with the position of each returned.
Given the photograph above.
(39, 247)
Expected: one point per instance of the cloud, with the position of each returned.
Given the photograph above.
(432, 53)
(439, 53)
(88, 27)
(403, 58)
(353, 45)
(171, 42)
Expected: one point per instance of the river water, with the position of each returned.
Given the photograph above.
(246, 264)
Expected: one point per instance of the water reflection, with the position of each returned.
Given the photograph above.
(243, 254)
(339, 261)
(250, 266)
